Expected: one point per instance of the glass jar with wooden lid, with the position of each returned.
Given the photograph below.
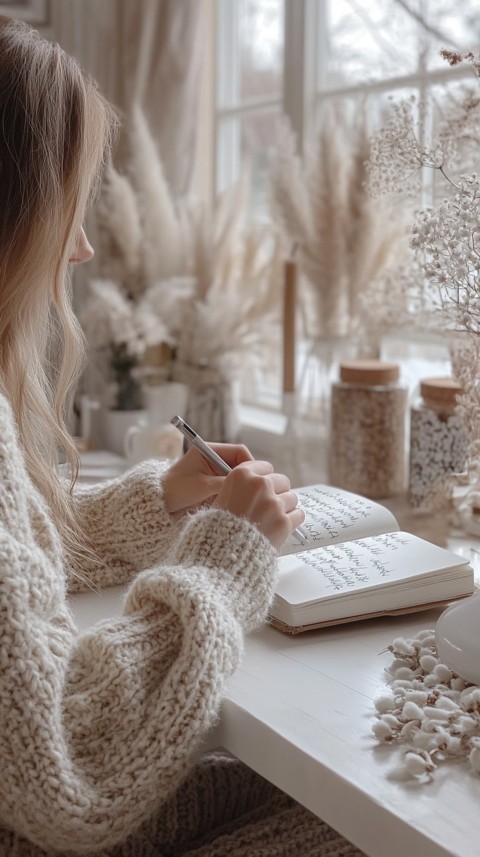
(438, 442)
(367, 429)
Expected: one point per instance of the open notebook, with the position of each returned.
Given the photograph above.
(356, 564)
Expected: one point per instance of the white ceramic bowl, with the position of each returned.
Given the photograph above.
(457, 638)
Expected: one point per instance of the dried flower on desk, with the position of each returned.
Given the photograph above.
(433, 714)
(444, 241)
(237, 268)
(400, 150)
(308, 206)
(289, 191)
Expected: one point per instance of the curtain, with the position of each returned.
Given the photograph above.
(149, 51)
(145, 51)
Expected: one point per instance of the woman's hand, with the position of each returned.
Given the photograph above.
(193, 481)
(254, 491)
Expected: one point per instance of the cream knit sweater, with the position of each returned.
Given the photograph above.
(98, 729)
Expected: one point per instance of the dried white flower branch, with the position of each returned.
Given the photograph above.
(465, 359)
(456, 57)
(445, 240)
(397, 156)
(465, 363)
(449, 240)
(393, 301)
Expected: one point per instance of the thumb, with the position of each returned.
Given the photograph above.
(204, 487)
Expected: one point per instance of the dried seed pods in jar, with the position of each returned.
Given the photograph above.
(367, 431)
(438, 442)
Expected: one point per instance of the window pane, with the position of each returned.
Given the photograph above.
(369, 40)
(372, 40)
(454, 111)
(261, 48)
(377, 105)
(228, 152)
(451, 25)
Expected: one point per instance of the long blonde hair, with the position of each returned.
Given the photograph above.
(55, 132)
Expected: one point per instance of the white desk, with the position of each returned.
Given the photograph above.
(300, 711)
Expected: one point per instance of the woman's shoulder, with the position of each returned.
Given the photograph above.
(13, 474)
(6, 412)
(8, 428)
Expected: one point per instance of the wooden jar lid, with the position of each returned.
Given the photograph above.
(371, 372)
(442, 391)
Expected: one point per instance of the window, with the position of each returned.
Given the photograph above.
(293, 56)
(250, 38)
(290, 56)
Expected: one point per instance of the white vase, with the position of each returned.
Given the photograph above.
(213, 407)
(115, 426)
(164, 401)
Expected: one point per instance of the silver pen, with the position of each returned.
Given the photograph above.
(215, 459)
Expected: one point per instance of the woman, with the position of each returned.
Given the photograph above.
(99, 732)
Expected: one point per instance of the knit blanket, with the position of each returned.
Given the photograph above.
(431, 713)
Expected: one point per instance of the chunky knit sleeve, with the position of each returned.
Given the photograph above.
(126, 524)
(98, 729)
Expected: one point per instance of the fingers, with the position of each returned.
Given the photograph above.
(193, 479)
(254, 491)
(280, 483)
(233, 453)
(296, 517)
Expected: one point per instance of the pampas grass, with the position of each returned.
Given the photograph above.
(237, 274)
(210, 278)
(345, 239)
(224, 314)
(323, 257)
(118, 217)
(289, 200)
(164, 246)
(141, 227)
